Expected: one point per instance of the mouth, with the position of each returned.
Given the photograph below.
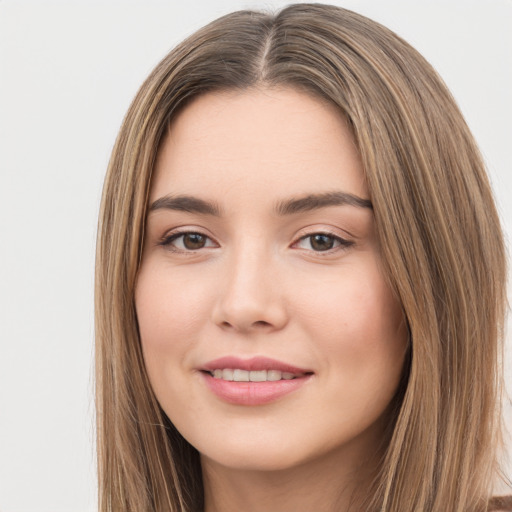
(254, 381)
(255, 369)
(239, 375)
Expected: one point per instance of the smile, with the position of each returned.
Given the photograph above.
(238, 375)
(255, 381)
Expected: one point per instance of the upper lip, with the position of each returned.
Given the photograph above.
(253, 364)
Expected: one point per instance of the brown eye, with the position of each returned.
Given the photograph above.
(187, 241)
(194, 241)
(321, 242)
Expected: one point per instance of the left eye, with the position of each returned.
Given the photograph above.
(321, 242)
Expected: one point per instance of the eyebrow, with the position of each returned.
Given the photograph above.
(186, 203)
(191, 204)
(323, 200)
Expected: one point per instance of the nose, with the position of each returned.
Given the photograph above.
(251, 296)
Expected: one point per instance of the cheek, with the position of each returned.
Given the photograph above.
(166, 304)
(171, 313)
(359, 324)
(357, 301)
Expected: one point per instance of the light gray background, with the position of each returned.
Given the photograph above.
(68, 71)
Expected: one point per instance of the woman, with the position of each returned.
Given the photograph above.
(300, 280)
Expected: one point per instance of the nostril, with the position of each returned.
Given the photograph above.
(261, 323)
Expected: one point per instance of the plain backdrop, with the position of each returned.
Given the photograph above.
(68, 71)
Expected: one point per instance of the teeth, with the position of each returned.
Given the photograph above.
(237, 375)
(258, 376)
(241, 376)
(273, 375)
(227, 374)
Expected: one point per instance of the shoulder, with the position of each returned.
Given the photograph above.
(500, 504)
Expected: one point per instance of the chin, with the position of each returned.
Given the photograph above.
(259, 460)
(253, 451)
(285, 449)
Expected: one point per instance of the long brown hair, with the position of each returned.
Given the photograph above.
(441, 241)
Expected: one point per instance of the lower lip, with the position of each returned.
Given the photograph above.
(252, 393)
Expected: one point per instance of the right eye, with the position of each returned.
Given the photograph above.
(187, 241)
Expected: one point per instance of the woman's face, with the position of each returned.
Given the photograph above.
(261, 264)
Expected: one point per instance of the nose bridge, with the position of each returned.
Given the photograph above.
(249, 296)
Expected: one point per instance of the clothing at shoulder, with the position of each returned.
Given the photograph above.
(500, 504)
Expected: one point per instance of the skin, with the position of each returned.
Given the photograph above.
(259, 286)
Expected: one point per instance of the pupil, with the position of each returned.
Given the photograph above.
(194, 241)
(322, 242)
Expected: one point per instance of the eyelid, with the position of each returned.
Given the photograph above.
(170, 236)
(343, 243)
(174, 234)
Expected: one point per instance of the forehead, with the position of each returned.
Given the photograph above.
(270, 139)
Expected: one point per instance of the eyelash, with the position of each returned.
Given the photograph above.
(167, 242)
(342, 242)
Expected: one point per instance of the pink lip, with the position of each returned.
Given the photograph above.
(255, 363)
(253, 393)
